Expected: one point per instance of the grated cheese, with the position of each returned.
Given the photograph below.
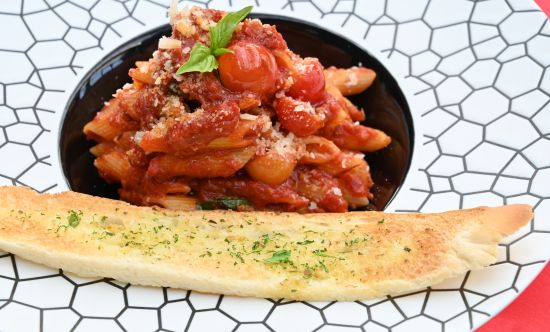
(352, 79)
(246, 116)
(284, 145)
(169, 43)
(138, 136)
(336, 191)
(144, 68)
(344, 163)
(185, 27)
(305, 107)
(303, 66)
(267, 125)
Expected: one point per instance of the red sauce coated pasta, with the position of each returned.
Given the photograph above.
(268, 128)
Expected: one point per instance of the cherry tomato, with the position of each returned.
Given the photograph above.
(298, 117)
(309, 81)
(250, 67)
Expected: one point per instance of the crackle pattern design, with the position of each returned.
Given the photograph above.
(477, 77)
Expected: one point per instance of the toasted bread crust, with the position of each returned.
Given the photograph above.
(347, 256)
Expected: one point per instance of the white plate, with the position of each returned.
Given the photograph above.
(475, 78)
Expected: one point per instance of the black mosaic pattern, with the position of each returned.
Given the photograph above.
(478, 81)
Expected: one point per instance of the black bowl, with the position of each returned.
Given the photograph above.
(384, 103)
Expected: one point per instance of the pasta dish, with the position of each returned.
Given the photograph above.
(224, 115)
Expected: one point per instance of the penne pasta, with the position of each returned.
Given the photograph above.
(217, 163)
(169, 194)
(142, 73)
(345, 105)
(318, 150)
(102, 129)
(125, 140)
(190, 132)
(175, 202)
(110, 122)
(174, 186)
(322, 189)
(344, 161)
(353, 136)
(271, 168)
(244, 134)
(102, 148)
(114, 166)
(350, 81)
(355, 185)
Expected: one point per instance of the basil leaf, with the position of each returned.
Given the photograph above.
(208, 205)
(200, 59)
(233, 203)
(221, 33)
(281, 256)
(220, 51)
(223, 203)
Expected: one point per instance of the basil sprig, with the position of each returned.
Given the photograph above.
(203, 58)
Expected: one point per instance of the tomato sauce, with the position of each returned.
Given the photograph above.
(172, 135)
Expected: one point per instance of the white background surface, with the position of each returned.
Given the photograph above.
(476, 77)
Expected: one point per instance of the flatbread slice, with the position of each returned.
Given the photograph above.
(346, 256)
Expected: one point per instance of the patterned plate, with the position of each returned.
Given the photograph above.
(477, 79)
